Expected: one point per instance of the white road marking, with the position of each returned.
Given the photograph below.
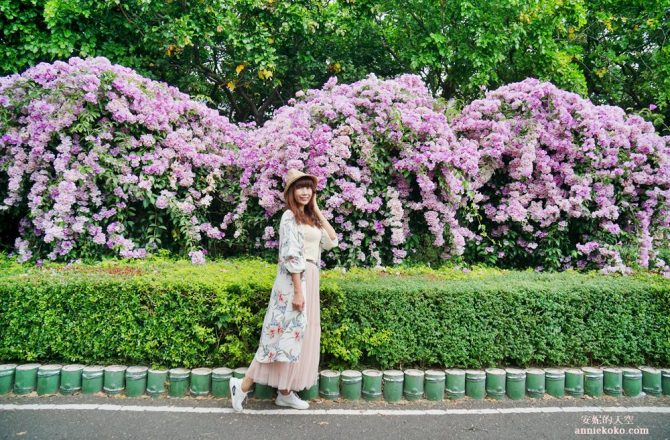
(336, 412)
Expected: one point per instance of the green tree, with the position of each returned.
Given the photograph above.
(627, 56)
(32, 31)
(254, 55)
(459, 46)
(24, 36)
(246, 57)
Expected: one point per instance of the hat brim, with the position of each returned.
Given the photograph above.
(314, 179)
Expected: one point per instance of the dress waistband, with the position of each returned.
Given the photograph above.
(311, 261)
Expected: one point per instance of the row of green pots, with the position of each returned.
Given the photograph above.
(496, 383)
(115, 379)
(389, 385)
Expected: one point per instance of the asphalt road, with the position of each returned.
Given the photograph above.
(83, 417)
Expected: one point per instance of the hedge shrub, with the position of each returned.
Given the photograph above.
(166, 313)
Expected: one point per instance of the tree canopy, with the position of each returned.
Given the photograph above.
(248, 57)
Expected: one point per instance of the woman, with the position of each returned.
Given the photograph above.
(288, 354)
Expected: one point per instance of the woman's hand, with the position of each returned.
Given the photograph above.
(324, 222)
(298, 301)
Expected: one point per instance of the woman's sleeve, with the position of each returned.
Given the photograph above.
(326, 242)
(290, 246)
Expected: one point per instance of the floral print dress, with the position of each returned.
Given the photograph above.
(283, 327)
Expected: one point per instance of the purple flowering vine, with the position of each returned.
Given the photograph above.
(103, 159)
(100, 160)
(565, 183)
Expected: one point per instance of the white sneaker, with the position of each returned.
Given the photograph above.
(237, 396)
(292, 400)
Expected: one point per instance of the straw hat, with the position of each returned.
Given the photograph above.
(292, 175)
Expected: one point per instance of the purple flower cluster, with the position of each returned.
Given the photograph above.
(105, 160)
(559, 174)
(381, 150)
(100, 155)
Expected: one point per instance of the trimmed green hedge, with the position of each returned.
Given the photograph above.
(177, 314)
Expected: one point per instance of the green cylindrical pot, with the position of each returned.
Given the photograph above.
(651, 381)
(201, 379)
(535, 383)
(515, 383)
(329, 384)
(311, 393)
(264, 392)
(554, 382)
(593, 381)
(632, 382)
(351, 384)
(48, 379)
(136, 381)
(70, 379)
(612, 382)
(220, 380)
(455, 383)
(475, 384)
(434, 385)
(178, 381)
(413, 384)
(115, 379)
(6, 378)
(25, 378)
(240, 373)
(372, 385)
(92, 379)
(574, 382)
(393, 384)
(665, 382)
(495, 383)
(157, 380)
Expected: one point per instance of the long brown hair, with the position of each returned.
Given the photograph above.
(308, 216)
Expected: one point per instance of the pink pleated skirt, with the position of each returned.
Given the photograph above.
(302, 374)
